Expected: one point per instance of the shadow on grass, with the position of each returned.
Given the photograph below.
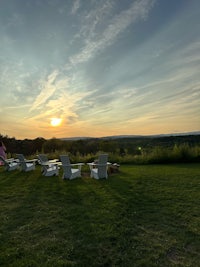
(146, 215)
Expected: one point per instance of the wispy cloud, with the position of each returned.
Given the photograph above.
(138, 10)
(48, 88)
(75, 7)
(18, 107)
(64, 106)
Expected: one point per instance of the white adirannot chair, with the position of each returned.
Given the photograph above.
(26, 165)
(69, 172)
(49, 167)
(9, 165)
(100, 169)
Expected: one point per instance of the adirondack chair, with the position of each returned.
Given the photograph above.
(26, 165)
(49, 167)
(68, 171)
(9, 165)
(100, 169)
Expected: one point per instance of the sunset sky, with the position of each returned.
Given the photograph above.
(99, 67)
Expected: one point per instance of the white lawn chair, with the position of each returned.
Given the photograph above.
(26, 165)
(49, 167)
(100, 169)
(9, 165)
(68, 171)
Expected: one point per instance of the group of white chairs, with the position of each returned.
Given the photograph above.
(98, 169)
(19, 163)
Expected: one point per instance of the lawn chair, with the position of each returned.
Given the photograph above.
(100, 169)
(9, 165)
(26, 165)
(69, 172)
(49, 167)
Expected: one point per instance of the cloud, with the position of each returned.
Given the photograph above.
(138, 10)
(64, 106)
(75, 7)
(18, 107)
(48, 88)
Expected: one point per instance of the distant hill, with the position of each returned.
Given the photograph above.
(76, 138)
(131, 136)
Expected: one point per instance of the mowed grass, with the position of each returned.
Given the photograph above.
(143, 216)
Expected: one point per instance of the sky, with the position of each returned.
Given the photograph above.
(94, 68)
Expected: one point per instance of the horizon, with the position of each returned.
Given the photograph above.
(111, 136)
(99, 68)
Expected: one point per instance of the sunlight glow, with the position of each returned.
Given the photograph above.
(55, 122)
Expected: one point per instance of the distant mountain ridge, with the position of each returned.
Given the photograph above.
(131, 136)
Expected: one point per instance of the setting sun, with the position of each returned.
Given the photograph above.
(56, 121)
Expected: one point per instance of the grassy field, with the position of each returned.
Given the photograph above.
(143, 216)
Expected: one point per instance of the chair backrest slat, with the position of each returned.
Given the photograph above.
(66, 165)
(22, 161)
(42, 158)
(102, 165)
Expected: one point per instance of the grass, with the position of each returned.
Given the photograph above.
(143, 216)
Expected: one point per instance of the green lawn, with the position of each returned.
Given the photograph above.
(143, 216)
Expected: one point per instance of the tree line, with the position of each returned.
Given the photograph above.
(119, 146)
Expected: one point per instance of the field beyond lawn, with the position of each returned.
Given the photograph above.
(143, 216)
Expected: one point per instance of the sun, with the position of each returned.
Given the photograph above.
(55, 121)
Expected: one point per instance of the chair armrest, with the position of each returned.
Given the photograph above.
(80, 164)
(9, 160)
(31, 160)
(101, 164)
(73, 164)
(53, 160)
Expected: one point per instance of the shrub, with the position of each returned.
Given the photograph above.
(177, 154)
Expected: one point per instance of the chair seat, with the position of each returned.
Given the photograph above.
(30, 167)
(49, 167)
(26, 165)
(69, 172)
(9, 164)
(51, 171)
(97, 175)
(75, 173)
(100, 168)
(13, 164)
